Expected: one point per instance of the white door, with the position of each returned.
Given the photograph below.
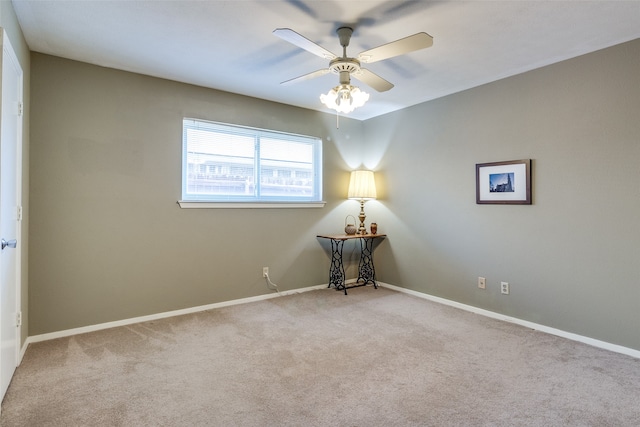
(10, 211)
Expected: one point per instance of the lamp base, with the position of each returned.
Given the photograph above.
(362, 229)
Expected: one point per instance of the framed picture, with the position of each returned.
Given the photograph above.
(505, 183)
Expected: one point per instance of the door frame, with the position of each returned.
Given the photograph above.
(8, 54)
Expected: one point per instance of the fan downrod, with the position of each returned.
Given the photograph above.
(344, 66)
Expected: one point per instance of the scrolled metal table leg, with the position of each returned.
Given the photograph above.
(366, 271)
(336, 272)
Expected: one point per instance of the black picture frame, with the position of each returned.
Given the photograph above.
(504, 183)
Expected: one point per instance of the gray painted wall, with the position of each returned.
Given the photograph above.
(108, 241)
(573, 257)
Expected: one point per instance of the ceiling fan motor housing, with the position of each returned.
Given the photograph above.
(344, 67)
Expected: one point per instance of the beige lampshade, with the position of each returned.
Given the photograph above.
(362, 185)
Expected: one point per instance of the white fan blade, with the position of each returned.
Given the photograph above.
(399, 47)
(294, 38)
(309, 76)
(372, 79)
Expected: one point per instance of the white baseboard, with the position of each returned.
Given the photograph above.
(125, 322)
(23, 349)
(542, 328)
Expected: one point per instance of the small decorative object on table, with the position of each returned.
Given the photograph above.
(350, 228)
(374, 228)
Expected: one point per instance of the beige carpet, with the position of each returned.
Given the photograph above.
(320, 358)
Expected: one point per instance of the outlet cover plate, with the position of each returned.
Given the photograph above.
(504, 288)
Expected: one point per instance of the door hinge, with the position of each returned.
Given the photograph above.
(20, 109)
(19, 213)
(19, 319)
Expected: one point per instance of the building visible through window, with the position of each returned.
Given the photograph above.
(227, 163)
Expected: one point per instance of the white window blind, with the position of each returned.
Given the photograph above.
(236, 164)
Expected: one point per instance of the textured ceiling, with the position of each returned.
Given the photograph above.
(229, 45)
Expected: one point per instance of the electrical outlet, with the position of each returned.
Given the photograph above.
(482, 282)
(265, 271)
(504, 288)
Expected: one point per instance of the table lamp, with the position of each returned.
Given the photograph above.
(362, 186)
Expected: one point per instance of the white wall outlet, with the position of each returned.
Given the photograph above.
(482, 282)
(265, 271)
(504, 288)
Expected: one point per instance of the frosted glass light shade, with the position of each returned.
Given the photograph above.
(344, 98)
(362, 185)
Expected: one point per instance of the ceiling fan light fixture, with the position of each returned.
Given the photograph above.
(344, 98)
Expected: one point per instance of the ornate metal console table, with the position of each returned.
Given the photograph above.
(366, 271)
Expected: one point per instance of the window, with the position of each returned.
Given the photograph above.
(242, 165)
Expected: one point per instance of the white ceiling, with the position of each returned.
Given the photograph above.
(229, 45)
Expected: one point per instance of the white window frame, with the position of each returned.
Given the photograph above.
(194, 200)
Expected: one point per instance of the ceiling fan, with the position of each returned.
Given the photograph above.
(347, 67)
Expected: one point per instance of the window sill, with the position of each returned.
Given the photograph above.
(194, 204)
